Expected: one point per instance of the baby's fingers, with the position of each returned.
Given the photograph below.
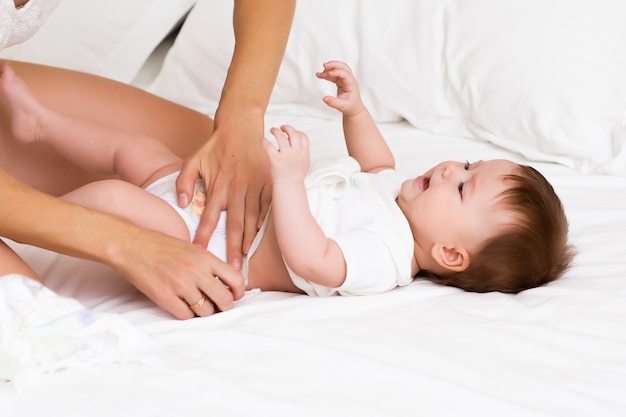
(297, 139)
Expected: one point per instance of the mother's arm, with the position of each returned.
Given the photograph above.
(165, 269)
(232, 162)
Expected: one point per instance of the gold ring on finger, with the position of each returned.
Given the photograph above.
(195, 306)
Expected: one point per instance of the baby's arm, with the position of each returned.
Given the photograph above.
(364, 141)
(305, 248)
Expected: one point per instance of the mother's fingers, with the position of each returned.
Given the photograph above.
(221, 298)
(209, 218)
(186, 180)
(200, 292)
(228, 285)
(210, 297)
(202, 306)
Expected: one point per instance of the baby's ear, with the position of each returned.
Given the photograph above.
(451, 257)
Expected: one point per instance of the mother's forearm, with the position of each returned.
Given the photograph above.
(261, 29)
(32, 217)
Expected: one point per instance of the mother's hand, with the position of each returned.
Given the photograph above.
(176, 274)
(235, 171)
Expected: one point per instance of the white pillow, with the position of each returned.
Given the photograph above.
(194, 70)
(112, 38)
(546, 79)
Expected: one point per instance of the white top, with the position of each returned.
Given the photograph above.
(356, 209)
(17, 25)
(359, 211)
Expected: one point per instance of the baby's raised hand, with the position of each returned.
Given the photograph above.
(290, 161)
(348, 100)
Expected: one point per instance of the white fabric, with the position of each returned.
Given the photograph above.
(41, 332)
(359, 212)
(17, 25)
(111, 38)
(553, 351)
(546, 79)
(422, 349)
(557, 89)
(355, 209)
(165, 188)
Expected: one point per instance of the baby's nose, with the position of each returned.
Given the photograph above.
(451, 171)
(448, 171)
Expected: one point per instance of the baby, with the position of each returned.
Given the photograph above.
(351, 226)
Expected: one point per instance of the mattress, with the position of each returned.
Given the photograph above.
(557, 350)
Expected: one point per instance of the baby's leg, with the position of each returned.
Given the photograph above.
(25, 110)
(11, 263)
(131, 203)
(135, 158)
(100, 100)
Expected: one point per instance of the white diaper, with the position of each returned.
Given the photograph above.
(42, 332)
(165, 188)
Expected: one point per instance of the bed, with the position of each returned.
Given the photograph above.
(538, 82)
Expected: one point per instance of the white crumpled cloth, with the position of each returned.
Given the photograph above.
(42, 332)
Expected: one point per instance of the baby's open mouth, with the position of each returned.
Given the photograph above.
(426, 183)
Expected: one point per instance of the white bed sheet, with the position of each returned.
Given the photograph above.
(423, 350)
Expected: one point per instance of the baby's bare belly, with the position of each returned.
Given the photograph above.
(267, 269)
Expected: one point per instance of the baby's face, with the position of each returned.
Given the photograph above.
(455, 203)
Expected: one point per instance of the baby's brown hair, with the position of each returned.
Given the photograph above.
(529, 253)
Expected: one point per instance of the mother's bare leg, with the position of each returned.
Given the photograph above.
(101, 100)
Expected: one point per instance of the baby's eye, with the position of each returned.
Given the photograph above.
(467, 165)
(461, 189)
